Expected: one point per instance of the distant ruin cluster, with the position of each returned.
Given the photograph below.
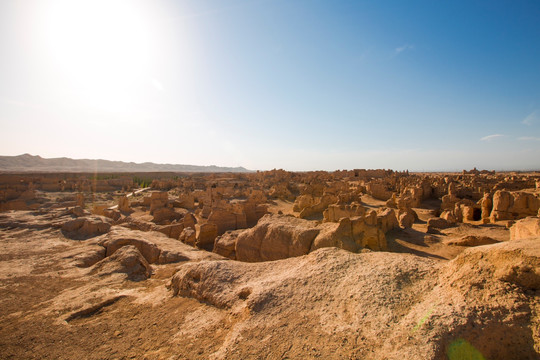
(278, 214)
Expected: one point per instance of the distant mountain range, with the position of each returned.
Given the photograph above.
(31, 163)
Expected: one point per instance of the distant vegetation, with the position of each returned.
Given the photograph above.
(142, 182)
(105, 176)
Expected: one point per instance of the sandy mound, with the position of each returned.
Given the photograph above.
(86, 226)
(127, 260)
(155, 247)
(388, 305)
(472, 240)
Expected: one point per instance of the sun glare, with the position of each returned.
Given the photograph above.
(100, 47)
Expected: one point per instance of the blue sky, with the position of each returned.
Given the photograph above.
(299, 85)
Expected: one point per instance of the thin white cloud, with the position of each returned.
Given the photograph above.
(157, 84)
(532, 118)
(529, 138)
(491, 137)
(403, 48)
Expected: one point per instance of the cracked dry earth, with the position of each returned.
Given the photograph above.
(132, 294)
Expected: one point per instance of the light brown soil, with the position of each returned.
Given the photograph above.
(286, 207)
(329, 304)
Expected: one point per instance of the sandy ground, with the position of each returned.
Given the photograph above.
(41, 289)
(286, 207)
(329, 304)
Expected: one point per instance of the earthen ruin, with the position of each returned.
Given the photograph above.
(356, 264)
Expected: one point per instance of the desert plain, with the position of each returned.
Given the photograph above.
(359, 264)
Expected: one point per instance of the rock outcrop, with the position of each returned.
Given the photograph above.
(379, 191)
(275, 237)
(319, 206)
(155, 247)
(387, 219)
(352, 234)
(123, 204)
(303, 201)
(335, 212)
(86, 226)
(513, 205)
(188, 236)
(434, 224)
(157, 200)
(525, 228)
(279, 236)
(227, 220)
(127, 260)
(406, 219)
(225, 245)
(206, 235)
